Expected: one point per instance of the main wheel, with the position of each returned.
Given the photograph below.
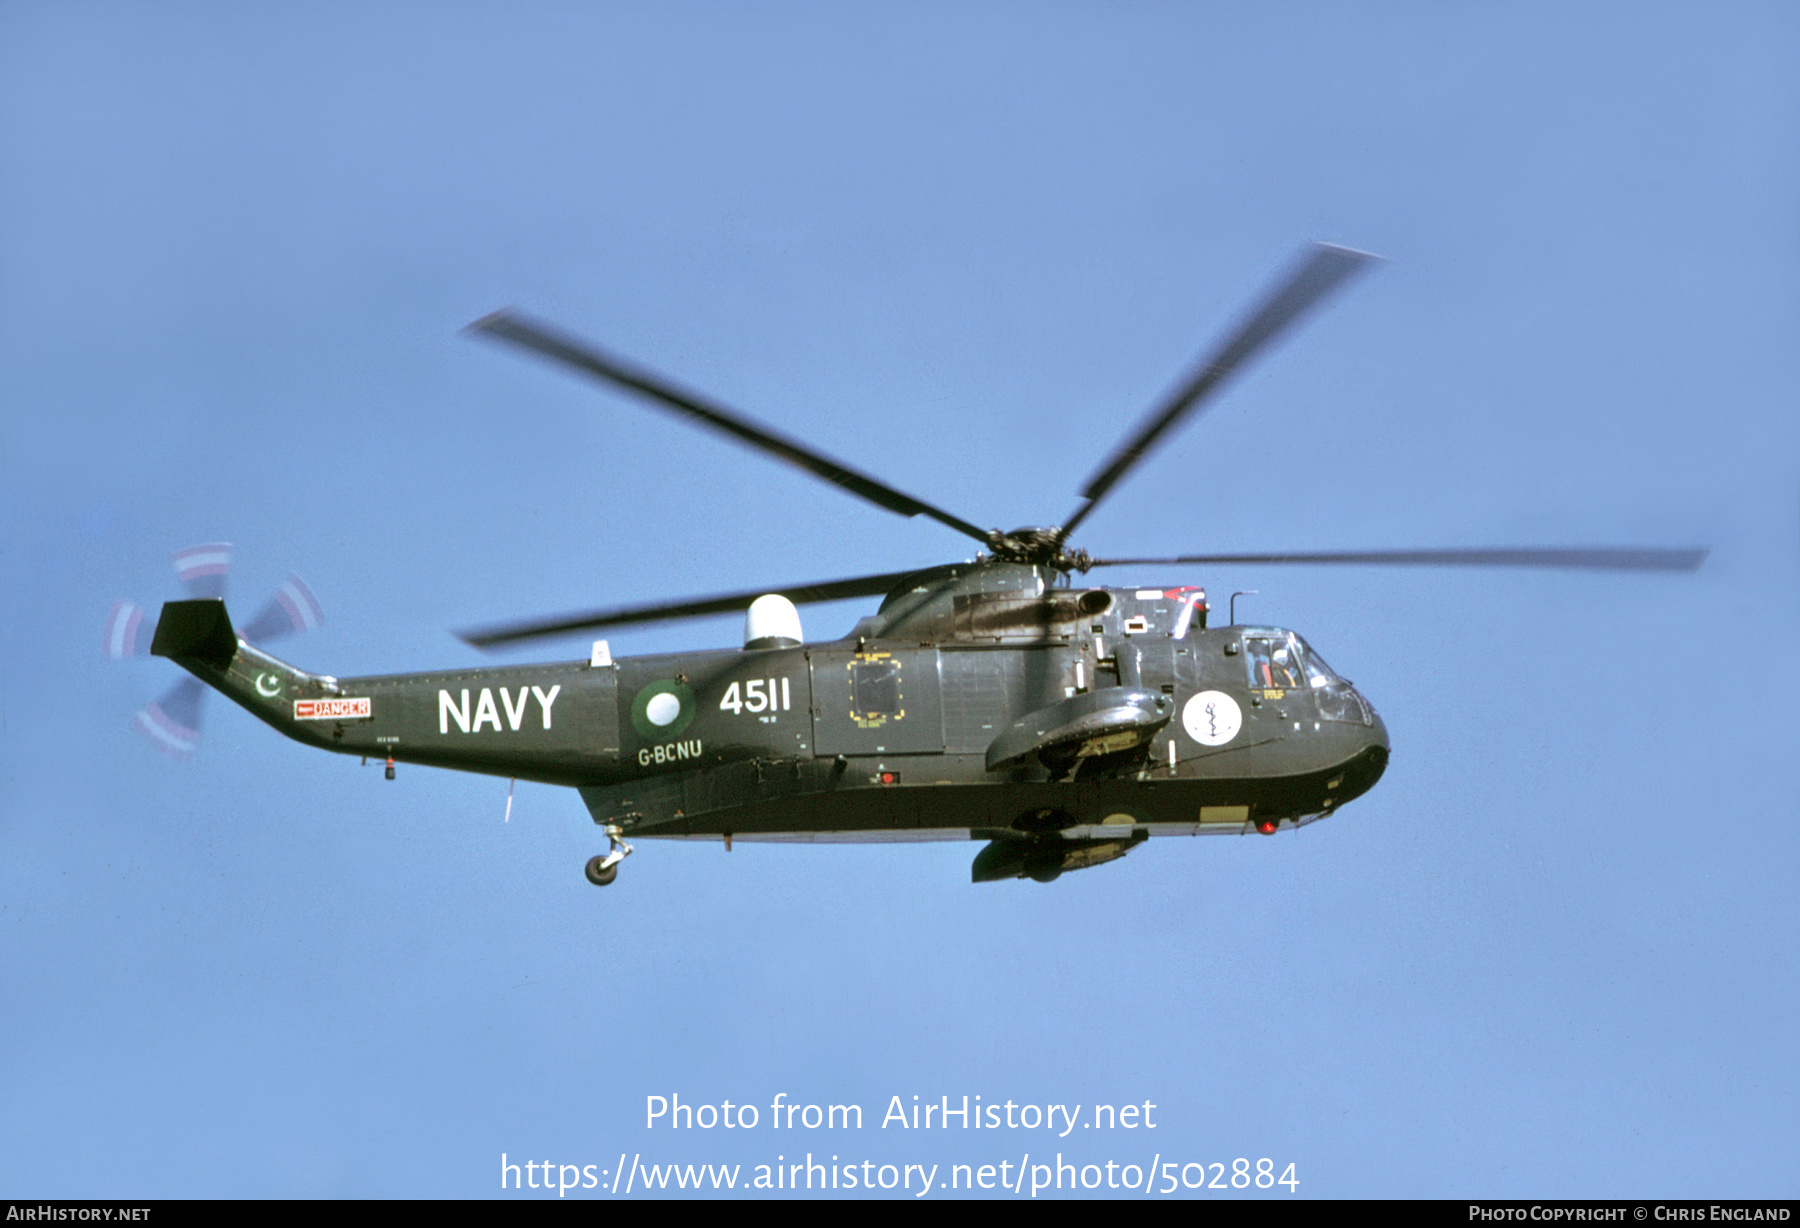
(599, 873)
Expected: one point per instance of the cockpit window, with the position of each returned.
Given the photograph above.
(1281, 662)
(1274, 663)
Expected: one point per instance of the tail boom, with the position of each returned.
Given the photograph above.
(556, 729)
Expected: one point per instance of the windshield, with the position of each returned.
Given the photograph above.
(1337, 699)
(1318, 674)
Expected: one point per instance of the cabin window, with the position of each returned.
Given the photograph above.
(875, 695)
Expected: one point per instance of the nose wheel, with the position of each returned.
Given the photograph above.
(602, 869)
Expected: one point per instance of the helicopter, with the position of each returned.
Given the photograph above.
(994, 699)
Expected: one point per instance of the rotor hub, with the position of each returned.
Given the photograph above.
(1039, 545)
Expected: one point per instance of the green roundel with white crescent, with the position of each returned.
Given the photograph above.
(663, 709)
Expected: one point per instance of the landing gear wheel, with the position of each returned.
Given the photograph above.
(603, 869)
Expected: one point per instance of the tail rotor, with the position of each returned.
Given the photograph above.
(293, 610)
(172, 721)
(122, 627)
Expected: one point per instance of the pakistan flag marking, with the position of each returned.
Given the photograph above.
(663, 709)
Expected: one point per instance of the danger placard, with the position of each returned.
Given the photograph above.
(331, 709)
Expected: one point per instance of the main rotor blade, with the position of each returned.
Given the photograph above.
(542, 339)
(799, 594)
(1321, 269)
(1594, 558)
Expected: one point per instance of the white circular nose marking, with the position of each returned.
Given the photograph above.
(1212, 718)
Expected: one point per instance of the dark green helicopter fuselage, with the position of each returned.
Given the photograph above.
(984, 701)
(988, 700)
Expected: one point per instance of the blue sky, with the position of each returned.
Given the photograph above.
(962, 247)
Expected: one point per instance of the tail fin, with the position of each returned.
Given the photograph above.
(199, 637)
(198, 629)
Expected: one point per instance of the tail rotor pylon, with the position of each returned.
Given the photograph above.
(171, 722)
